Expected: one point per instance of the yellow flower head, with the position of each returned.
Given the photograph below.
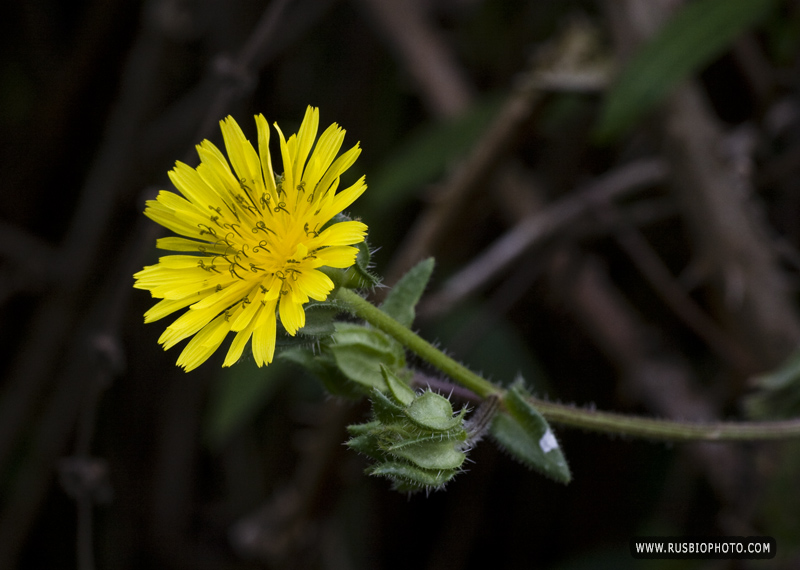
(254, 241)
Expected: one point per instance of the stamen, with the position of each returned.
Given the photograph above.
(260, 225)
(233, 227)
(262, 245)
(204, 229)
(201, 264)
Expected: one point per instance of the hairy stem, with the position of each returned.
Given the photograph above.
(567, 415)
(380, 320)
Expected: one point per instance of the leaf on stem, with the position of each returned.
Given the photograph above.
(360, 352)
(404, 296)
(525, 434)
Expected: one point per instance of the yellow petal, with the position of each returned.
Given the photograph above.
(328, 145)
(204, 344)
(286, 157)
(338, 167)
(340, 256)
(343, 233)
(306, 136)
(243, 157)
(292, 315)
(315, 284)
(265, 156)
(264, 336)
(238, 344)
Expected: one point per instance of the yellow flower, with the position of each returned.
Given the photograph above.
(254, 241)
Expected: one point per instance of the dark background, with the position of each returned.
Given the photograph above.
(668, 301)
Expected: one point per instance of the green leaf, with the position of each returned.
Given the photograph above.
(354, 334)
(238, 393)
(360, 352)
(698, 33)
(361, 364)
(405, 295)
(526, 435)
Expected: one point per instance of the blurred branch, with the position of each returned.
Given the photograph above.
(651, 372)
(569, 62)
(648, 262)
(30, 262)
(282, 529)
(423, 53)
(729, 236)
(57, 313)
(165, 132)
(538, 227)
(445, 206)
(730, 239)
(239, 73)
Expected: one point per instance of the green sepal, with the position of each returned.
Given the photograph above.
(359, 276)
(385, 410)
(414, 437)
(361, 429)
(367, 445)
(433, 412)
(399, 390)
(320, 319)
(409, 478)
(525, 434)
(404, 296)
(431, 454)
(319, 325)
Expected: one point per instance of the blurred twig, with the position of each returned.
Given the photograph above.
(423, 53)
(648, 262)
(729, 237)
(539, 226)
(280, 531)
(442, 209)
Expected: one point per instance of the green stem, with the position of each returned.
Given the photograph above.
(619, 424)
(380, 320)
(651, 428)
